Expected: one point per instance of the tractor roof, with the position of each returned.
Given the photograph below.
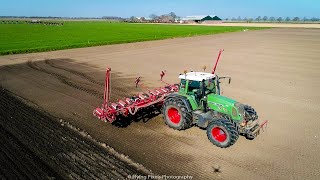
(197, 76)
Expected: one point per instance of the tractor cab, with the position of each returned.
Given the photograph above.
(199, 102)
(198, 84)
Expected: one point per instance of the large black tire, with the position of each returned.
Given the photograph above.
(176, 114)
(250, 113)
(222, 133)
(251, 116)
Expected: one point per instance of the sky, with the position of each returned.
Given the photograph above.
(139, 8)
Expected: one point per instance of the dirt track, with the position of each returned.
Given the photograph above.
(277, 71)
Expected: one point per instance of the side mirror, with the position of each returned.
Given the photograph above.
(224, 78)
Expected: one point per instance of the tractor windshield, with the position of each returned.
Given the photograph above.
(196, 86)
(210, 86)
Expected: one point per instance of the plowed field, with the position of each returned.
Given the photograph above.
(277, 71)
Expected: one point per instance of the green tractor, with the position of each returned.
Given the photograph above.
(199, 102)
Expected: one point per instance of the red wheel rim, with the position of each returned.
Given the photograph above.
(174, 115)
(219, 134)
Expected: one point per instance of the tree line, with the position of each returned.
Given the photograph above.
(50, 23)
(274, 19)
(164, 18)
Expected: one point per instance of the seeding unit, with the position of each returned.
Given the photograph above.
(130, 106)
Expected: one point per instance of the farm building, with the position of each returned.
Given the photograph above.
(204, 19)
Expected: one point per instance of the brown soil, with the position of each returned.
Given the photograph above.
(34, 145)
(276, 71)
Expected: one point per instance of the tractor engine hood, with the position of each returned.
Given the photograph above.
(224, 105)
(220, 100)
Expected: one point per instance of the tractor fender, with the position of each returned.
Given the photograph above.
(182, 99)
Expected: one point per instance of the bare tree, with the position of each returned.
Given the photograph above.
(258, 18)
(143, 19)
(166, 18)
(133, 19)
(153, 16)
(265, 18)
(172, 14)
(296, 19)
(272, 19)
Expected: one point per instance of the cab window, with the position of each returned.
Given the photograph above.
(193, 85)
(183, 83)
(210, 84)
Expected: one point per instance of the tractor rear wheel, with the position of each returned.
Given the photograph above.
(176, 114)
(222, 133)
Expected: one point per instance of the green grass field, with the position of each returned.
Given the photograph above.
(25, 38)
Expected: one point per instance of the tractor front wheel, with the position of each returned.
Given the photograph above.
(176, 115)
(250, 113)
(222, 133)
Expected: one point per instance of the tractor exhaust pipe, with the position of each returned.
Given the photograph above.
(215, 66)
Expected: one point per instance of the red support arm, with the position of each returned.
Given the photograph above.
(106, 95)
(162, 74)
(215, 66)
(137, 81)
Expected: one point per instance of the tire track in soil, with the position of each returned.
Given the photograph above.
(80, 74)
(65, 80)
(119, 87)
(75, 158)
